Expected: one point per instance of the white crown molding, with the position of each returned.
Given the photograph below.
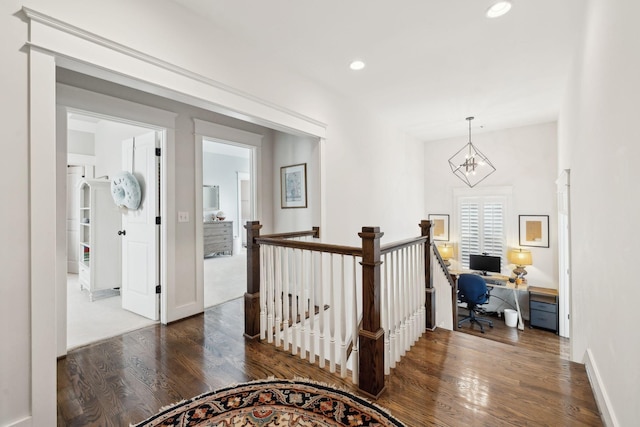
(157, 62)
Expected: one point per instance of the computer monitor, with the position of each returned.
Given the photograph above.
(484, 263)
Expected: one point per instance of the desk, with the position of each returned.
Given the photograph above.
(515, 288)
(508, 285)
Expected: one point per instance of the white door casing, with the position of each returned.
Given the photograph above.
(564, 254)
(140, 257)
(244, 205)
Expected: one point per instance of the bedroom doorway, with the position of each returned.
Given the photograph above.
(97, 149)
(226, 166)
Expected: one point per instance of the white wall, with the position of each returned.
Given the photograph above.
(108, 145)
(525, 160)
(374, 174)
(600, 143)
(79, 142)
(222, 170)
(292, 150)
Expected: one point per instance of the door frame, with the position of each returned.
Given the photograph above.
(231, 136)
(244, 176)
(53, 43)
(75, 100)
(564, 255)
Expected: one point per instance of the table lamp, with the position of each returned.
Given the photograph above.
(520, 257)
(446, 252)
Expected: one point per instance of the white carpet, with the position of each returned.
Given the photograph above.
(225, 278)
(88, 321)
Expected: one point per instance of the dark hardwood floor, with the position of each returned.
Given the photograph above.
(533, 339)
(447, 379)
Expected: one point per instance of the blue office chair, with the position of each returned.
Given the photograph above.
(473, 290)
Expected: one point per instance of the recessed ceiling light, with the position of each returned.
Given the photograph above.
(498, 9)
(357, 65)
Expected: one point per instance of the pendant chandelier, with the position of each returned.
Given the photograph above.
(469, 164)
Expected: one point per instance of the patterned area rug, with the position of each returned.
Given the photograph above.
(274, 403)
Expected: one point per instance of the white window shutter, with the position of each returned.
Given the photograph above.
(482, 228)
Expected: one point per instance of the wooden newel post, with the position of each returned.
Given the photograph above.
(371, 378)
(252, 296)
(430, 292)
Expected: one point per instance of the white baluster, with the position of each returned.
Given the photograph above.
(301, 309)
(278, 296)
(295, 341)
(321, 343)
(414, 295)
(312, 309)
(270, 293)
(286, 327)
(343, 321)
(333, 312)
(422, 285)
(355, 373)
(263, 293)
(393, 301)
(384, 311)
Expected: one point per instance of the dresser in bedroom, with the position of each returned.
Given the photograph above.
(218, 237)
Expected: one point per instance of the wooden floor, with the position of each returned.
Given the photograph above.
(448, 379)
(533, 339)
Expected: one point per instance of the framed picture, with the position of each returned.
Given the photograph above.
(439, 227)
(293, 186)
(534, 230)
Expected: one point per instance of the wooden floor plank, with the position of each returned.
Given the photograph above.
(501, 378)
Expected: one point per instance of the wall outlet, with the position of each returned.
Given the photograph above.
(183, 216)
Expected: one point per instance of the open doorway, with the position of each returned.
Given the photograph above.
(226, 206)
(103, 283)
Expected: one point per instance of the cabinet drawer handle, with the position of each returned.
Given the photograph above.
(122, 232)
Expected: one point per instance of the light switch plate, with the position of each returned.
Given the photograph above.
(183, 216)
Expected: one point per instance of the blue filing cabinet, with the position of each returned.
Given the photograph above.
(543, 308)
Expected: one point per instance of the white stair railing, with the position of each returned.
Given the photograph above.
(307, 298)
(403, 300)
(300, 311)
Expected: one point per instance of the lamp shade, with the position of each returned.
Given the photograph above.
(520, 257)
(446, 251)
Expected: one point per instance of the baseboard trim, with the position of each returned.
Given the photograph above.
(599, 391)
(25, 422)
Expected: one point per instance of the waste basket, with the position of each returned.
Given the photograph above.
(511, 318)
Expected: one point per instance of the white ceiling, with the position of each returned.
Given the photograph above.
(430, 63)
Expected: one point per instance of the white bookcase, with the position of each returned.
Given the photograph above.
(100, 244)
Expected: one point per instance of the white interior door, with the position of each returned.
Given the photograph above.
(140, 244)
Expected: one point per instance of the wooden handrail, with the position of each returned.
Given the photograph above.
(310, 246)
(291, 235)
(402, 244)
(443, 266)
(370, 332)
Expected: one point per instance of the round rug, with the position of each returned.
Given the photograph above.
(274, 403)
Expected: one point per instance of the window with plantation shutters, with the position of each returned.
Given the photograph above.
(481, 227)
